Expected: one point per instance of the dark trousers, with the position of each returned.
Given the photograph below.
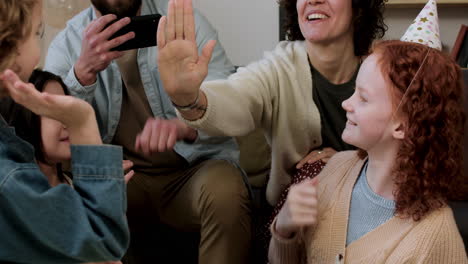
(209, 199)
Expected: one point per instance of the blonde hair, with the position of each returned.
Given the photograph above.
(15, 25)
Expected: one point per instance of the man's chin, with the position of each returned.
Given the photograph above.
(105, 8)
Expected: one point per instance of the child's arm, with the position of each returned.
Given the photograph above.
(64, 225)
(299, 211)
(40, 224)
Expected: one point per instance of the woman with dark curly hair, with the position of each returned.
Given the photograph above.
(294, 94)
(387, 202)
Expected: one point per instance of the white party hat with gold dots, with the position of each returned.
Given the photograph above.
(425, 28)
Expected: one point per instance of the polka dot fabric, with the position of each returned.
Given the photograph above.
(308, 171)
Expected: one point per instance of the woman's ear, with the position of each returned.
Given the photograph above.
(398, 130)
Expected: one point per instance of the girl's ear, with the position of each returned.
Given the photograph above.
(398, 130)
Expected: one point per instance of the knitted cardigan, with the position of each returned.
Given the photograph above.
(434, 239)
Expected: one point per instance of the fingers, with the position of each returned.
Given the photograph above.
(323, 154)
(172, 138)
(127, 164)
(161, 34)
(189, 21)
(112, 55)
(170, 27)
(179, 19)
(99, 24)
(302, 203)
(166, 131)
(305, 189)
(302, 162)
(207, 52)
(115, 42)
(179, 23)
(20, 92)
(129, 176)
(100, 42)
(145, 138)
(158, 135)
(310, 158)
(112, 29)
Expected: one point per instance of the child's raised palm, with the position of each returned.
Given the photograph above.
(70, 111)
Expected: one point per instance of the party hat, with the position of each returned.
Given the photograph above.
(425, 28)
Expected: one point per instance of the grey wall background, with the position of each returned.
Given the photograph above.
(247, 28)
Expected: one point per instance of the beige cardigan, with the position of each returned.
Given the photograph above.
(275, 94)
(434, 239)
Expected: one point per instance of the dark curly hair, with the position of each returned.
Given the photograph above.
(368, 23)
(429, 163)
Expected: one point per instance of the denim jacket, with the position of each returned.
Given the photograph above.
(106, 93)
(40, 224)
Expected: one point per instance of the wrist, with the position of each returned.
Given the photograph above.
(198, 109)
(85, 134)
(282, 229)
(84, 131)
(84, 76)
(185, 101)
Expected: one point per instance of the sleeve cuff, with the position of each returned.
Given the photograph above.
(75, 83)
(280, 239)
(284, 250)
(99, 161)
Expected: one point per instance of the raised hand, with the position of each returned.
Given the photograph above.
(96, 54)
(160, 135)
(300, 209)
(181, 68)
(315, 155)
(77, 115)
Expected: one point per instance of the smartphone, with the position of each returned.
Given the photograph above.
(145, 28)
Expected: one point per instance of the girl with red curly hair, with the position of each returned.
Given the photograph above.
(386, 203)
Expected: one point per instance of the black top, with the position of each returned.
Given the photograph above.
(328, 98)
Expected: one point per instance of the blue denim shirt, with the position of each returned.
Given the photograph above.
(40, 224)
(106, 93)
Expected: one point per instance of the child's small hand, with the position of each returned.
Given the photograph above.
(77, 115)
(127, 165)
(300, 209)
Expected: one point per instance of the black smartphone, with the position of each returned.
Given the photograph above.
(145, 28)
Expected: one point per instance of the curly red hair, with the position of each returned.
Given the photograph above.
(429, 163)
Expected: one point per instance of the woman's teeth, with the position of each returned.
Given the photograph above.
(316, 17)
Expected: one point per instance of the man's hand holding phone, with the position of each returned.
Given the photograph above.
(96, 53)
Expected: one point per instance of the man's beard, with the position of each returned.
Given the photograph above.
(125, 8)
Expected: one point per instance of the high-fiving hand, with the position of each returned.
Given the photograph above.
(181, 68)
